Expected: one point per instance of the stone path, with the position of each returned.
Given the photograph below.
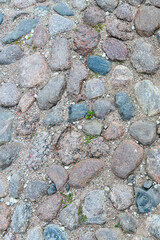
(79, 120)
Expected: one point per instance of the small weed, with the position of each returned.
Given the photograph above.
(89, 115)
(117, 225)
(75, 29)
(91, 75)
(67, 199)
(34, 48)
(88, 138)
(81, 217)
(98, 27)
(47, 179)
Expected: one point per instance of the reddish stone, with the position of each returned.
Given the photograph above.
(3, 187)
(153, 164)
(5, 217)
(93, 16)
(126, 158)
(85, 39)
(49, 209)
(58, 175)
(84, 171)
(97, 148)
(124, 12)
(114, 131)
(121, 76)
(26, 102)
(115, 49)
(40, 36)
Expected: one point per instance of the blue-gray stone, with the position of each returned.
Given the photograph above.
(55, 117)
(52, 189)
(41, 10)
(158, 36)
(53, 232)
(77, 111)
(67, 187)
(63, 9)
(145, 200)
(148, 184)
(125, 105)
(1, 18)
(10, 55)
(99, 65)
(24, 27)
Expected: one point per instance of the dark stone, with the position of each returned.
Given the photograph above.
(6, 119)
(54, 232)
(77, 111)
(54, 118)
(67, 187)
(1, 18)
(131, 179)
(63, 9)
(147, 184)
(52, 189)
(158, 36)
(99, 65)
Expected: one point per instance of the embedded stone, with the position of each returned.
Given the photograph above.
(5, 218)
(121, 76)
(153, 166)
(114, 131)
(94, 88)
(9, 95)
(40, 36)
(93, 16)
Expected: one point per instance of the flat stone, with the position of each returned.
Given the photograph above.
(124, 12)
(102, 107)
(56, 117)
(94, 88)
(126, 107)
(53, 231)
(147, 20)
(42, 11)
(63, 9)
(93, 207)
(88, 236)
(115, 49)
(136, 2)
(59, 24)
(60, 54)
(35, 233)
(121, 76)
(77, 111)
(1, 18)
(24, 3)
(51, 93)
(24, 27)
(143, 131)
(20, 218)
(153, 225)
(127, 222)
(122, 196)
(58, 175)
(99, 65)
(49, 209)
(109, 233)
(36, 189)
(3, 186)
(5, 218)
(10, 55)
(85, 39)
(78, 74)
(8, 154)
(38, 151)
(147, 184)
(153, 166)
(97, 148)
(30, 77)
(16, 184)
(79, 4)
(114, 131)
(144, 58)
(107, 5)
(9, 95)
(84, 171)
(148, 97)
(40, 36)
(70, 145)
(155, 3)
(126, 158)
(93, 128)
(93, 16)
(69, 215)
(26, 102)
(120, 30)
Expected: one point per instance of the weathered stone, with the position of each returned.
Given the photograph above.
(124, 12)
(20, 219)
(121, 76)
(8, 154)
(59, 24)
(114, 131)
(30, 77)
(155, 3)
(51, 93)
(107, 5)
(9, 95)
(97, 148)
(88, 236)
(56, 117)
(77, 111)
(1, 18)
(127, 223)
(69, 215)
(58, 175)
(94, 88)
(3, 186)
(147, 20)
(78, 74)
(144, 58)
(148, 97)
(16, 184)
(122, 196)
(26, 102)
(35, 233)
(99, 65)
(102, 107)
(153, 225)
(42, 11)
(60, 55)
(93, 128)
(147, 184)
(93, 16)
(63, 9)
(84, 171)
(36, 189)
(120, 30)
(40, 36)
(93, 207)
(85, 39)
(79, 4)
(5, 218)
(109, 233)
(24, 3)
(136, 2)
(143, 131)
(115, 49)
(49, 209)
(10, 55)
(53, 231)
(153, 166)
(126, 158)
(70, 145)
